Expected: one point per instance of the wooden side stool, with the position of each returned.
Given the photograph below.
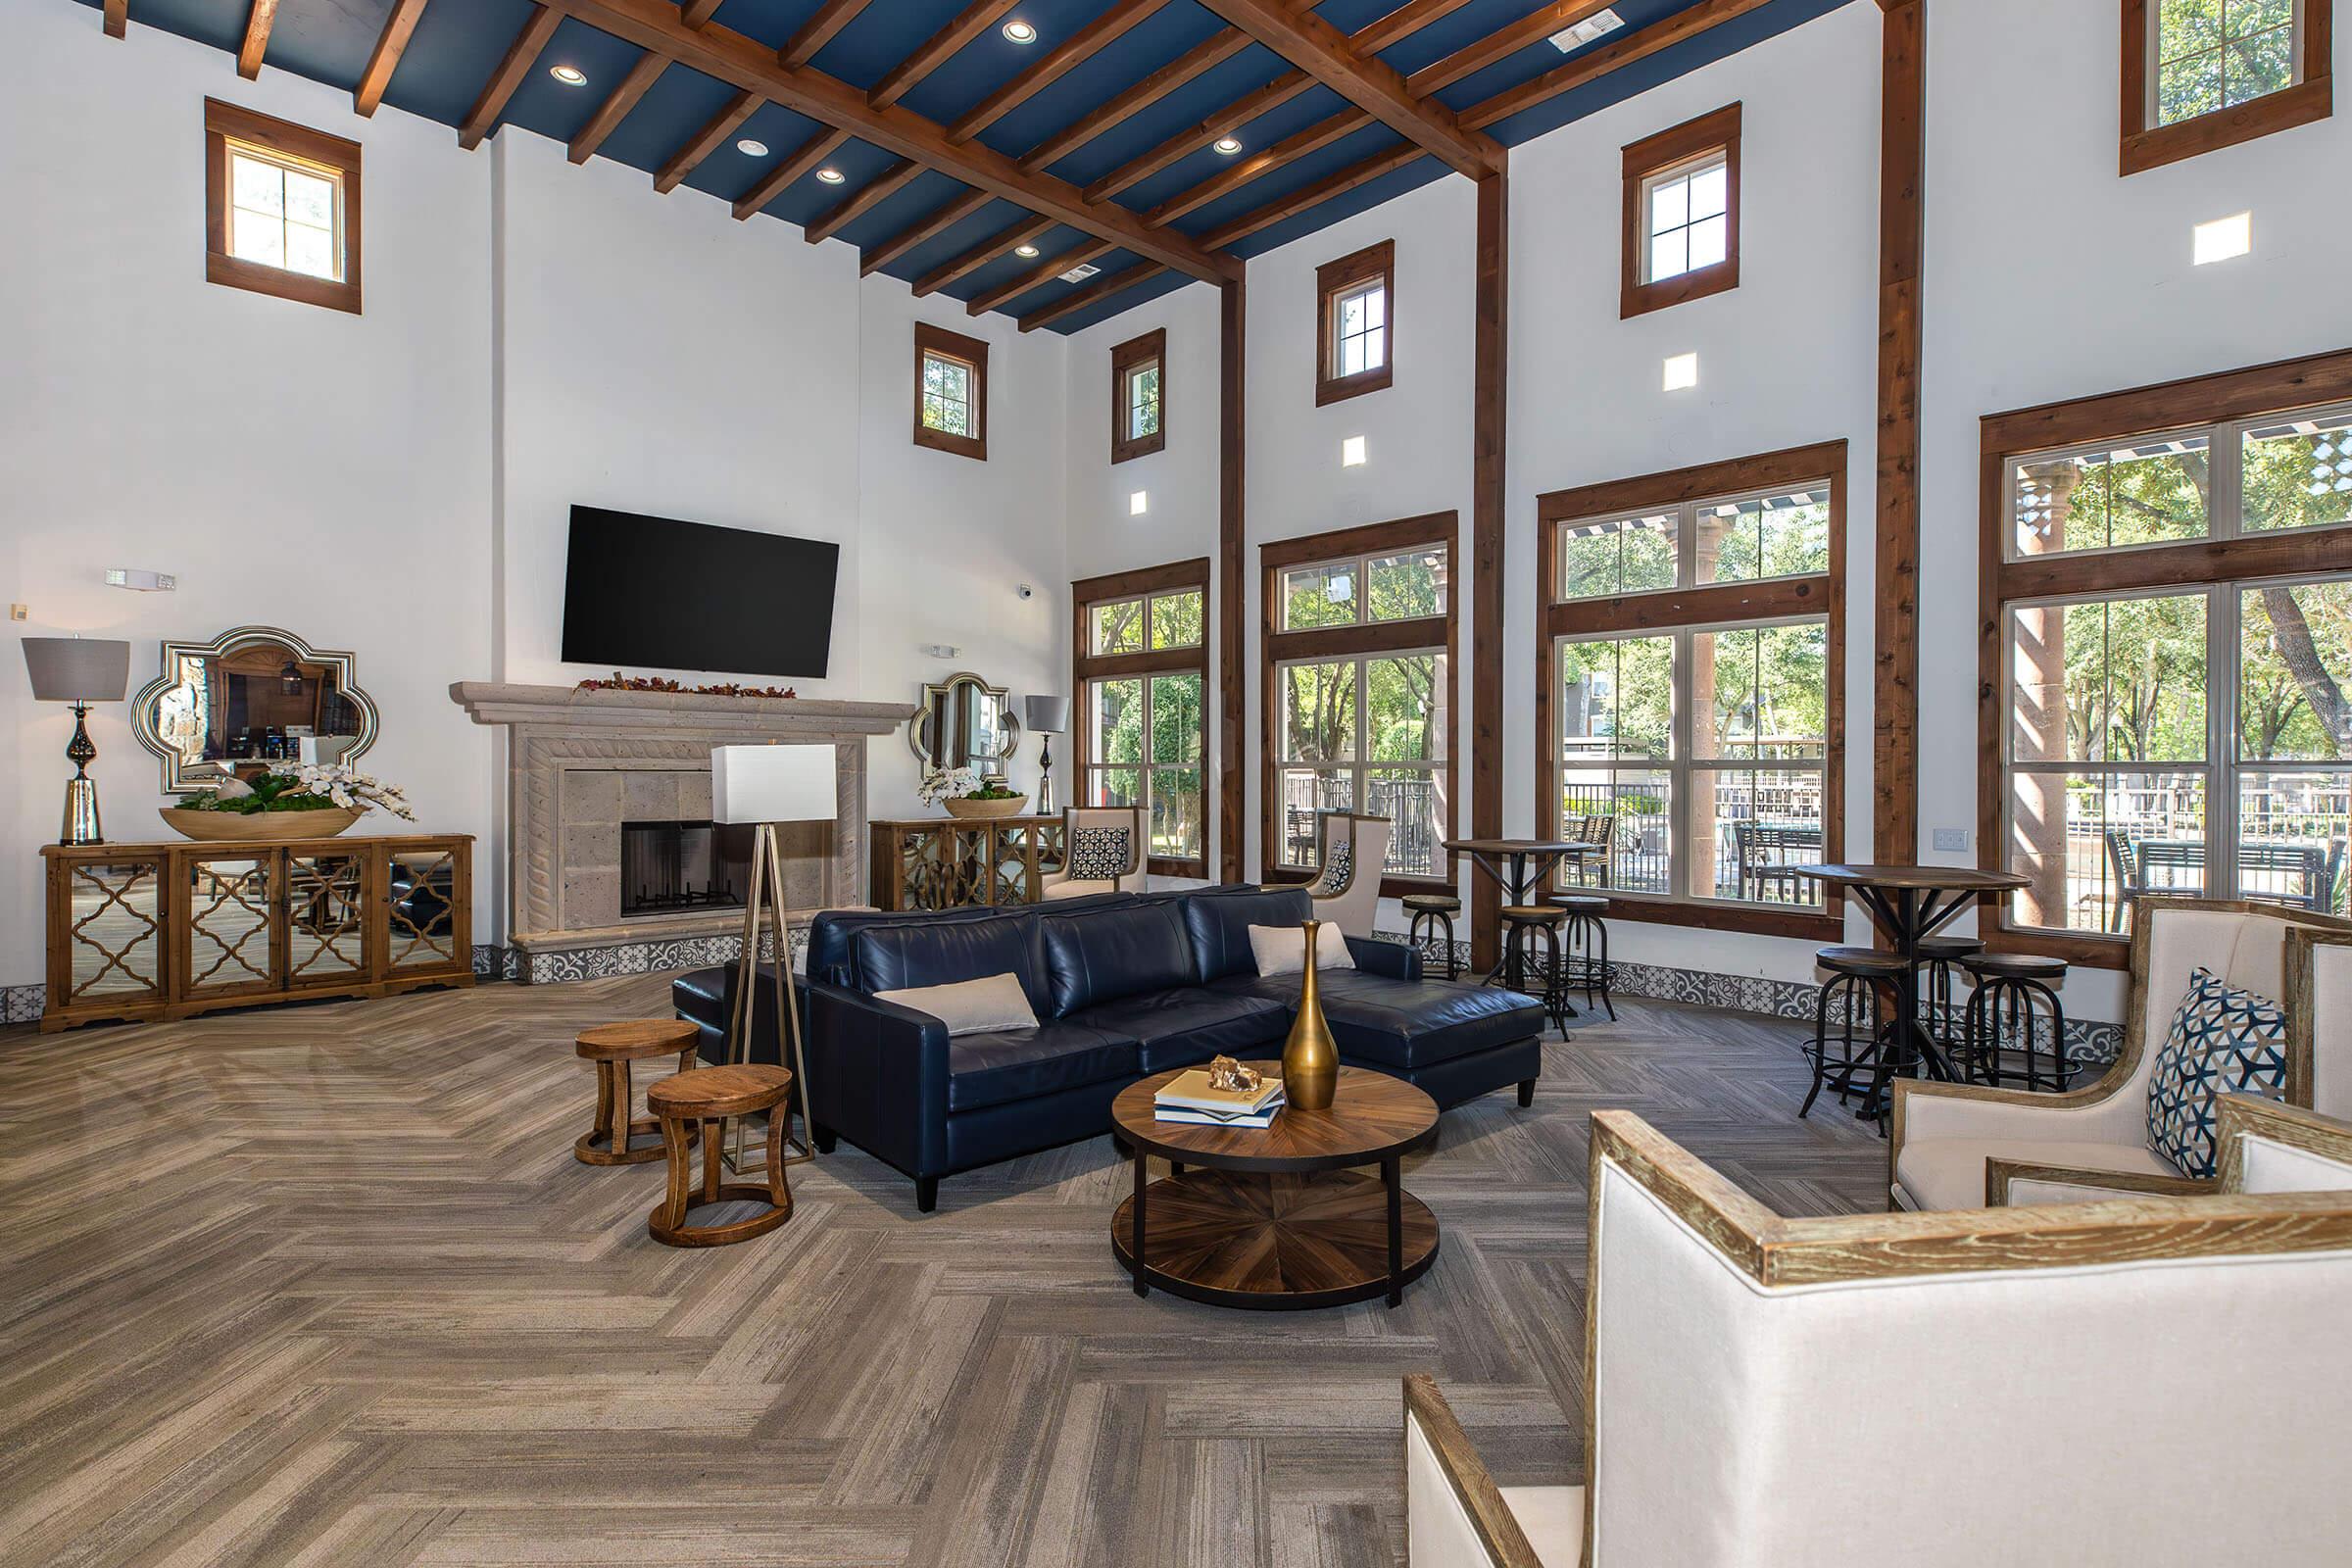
(612, 1047)
(704, 1099)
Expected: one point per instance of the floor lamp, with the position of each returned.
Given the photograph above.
(760, 786)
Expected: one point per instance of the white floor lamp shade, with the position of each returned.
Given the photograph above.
(773, 784)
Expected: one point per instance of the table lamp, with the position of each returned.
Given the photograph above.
(80, 672)
(762, 786)
(1049, 717)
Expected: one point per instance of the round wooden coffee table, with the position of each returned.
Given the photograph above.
(1275, 1217)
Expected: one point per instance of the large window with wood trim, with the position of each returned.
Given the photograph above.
(1682, 214)
(2205, 74)
(1141, 676)
(2169, 695)
(951, 392)
(1690, 688)
(1358, 655)
(1139, 386)
(281, 208)
(1354, 326)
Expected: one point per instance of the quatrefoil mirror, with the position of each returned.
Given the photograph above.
(249, 700)
(965, 723)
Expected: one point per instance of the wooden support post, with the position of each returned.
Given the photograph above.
(1894, 694)
(1490, 389)
(1233, 316)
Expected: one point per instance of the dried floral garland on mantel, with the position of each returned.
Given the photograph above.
(651, 683)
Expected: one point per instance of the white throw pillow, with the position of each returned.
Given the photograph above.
(970, 1007)
(1282, 949)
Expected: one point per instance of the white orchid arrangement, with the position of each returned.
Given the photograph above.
(308, 786)
(948, 784)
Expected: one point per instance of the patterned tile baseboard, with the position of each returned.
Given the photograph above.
(524, 967)
(23, 1003)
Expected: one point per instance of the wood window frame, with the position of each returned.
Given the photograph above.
(227, 122)
(2148, 146)
(1125, 359)
(1332, 280)
(1669, 149)
(2195, 401)
(932, 340)
(1277, 648)
(1086, 665)
(1710, 605)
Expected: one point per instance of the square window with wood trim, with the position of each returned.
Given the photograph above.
(1138, 389)
(2199, 74)
(1355, 347)
(1142, 676)
(281, 208)
(2168, 703)
(1682, 214)
(1359, 693)
(1691, 689)
(951, 392)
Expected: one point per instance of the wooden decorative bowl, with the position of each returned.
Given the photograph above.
(984, 811)
(220, 826)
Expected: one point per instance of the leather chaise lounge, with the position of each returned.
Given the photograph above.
(1123, 985)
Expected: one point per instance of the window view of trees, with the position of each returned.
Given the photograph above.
(2217, 54)
(948, 395)
(1147, 734)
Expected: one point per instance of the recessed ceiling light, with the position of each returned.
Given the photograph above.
(1024, 251)
(1597, 25)
(569, 75)
(752, 149)
(1021, 33)
(831, 177)
(1228, 145)
(2223, 238)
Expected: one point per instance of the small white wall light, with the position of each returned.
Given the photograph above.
(1139, 503)
(1682, 372)
(2223, 238)
(1352, 452)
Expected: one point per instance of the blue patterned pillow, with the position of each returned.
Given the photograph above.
(2225, 1041)
(1097, 854)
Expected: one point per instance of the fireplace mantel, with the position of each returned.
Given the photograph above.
(490, 702)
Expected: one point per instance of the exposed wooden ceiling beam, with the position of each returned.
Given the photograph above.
(980, 254)
(1323, 52)
(883, 186)
(746, 64)
(522, 55)
(811, 153)
(1076, 50)
(1255, 166)
(934, 52)
(693, 13)
(390, 45)
(1500, 44)
(616, 106)
(818, 30)
(706, 141)
(935, 223)
(1094, 292)
(258, 22)
(1400, 23)
(1664, 34)
(1037, 277)
(1273, 96)
(1192, 63)
(118, 18)
(1337, 183)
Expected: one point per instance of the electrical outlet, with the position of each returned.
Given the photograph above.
(1954, 839)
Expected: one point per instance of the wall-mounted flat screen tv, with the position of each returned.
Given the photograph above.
(658, 593)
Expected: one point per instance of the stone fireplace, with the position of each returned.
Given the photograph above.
(612, 865)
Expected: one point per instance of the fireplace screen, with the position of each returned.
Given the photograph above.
(667, 866)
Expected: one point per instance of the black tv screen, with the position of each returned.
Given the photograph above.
(657, 593)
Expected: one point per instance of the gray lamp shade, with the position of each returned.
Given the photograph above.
(1047, 715)
(77, 670)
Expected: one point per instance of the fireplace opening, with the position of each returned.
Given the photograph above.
(667, 866)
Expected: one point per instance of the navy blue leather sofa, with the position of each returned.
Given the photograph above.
(1123, 985)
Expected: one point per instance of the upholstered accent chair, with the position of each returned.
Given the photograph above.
(1728, 1413)
(1347, 890)
(2094, 1142)
(1132, 877)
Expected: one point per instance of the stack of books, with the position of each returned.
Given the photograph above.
(1190, 1097)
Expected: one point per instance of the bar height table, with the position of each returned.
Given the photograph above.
(1527, 865)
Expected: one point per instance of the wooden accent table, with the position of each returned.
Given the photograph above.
(706, 1098)
(612, 1047)
(1274, 1218)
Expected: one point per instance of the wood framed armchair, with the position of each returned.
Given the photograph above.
(1134, 878)
(2092, 1142)
(1744, 1369)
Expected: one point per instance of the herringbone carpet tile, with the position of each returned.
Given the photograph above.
(325, 1285)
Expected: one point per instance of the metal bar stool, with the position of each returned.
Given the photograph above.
(1847, 1064)
(2014, 1008)
(1521, 921)
(1940, 1011)
(1430, 911)
(1586, 941)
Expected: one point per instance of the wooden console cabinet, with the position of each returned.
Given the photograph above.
(947, 862)
(142, 931)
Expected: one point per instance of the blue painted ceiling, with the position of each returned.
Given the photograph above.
(459, 43)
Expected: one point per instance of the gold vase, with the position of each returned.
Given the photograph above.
(1310, 1058)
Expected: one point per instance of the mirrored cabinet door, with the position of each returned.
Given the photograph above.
(427, 893)
(108, 914)
(226, 929)
(326, 918)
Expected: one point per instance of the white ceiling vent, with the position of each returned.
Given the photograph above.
(1599, 24)
(1081, 272)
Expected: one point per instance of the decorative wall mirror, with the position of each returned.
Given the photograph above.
(251, 699)
(965, 723)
